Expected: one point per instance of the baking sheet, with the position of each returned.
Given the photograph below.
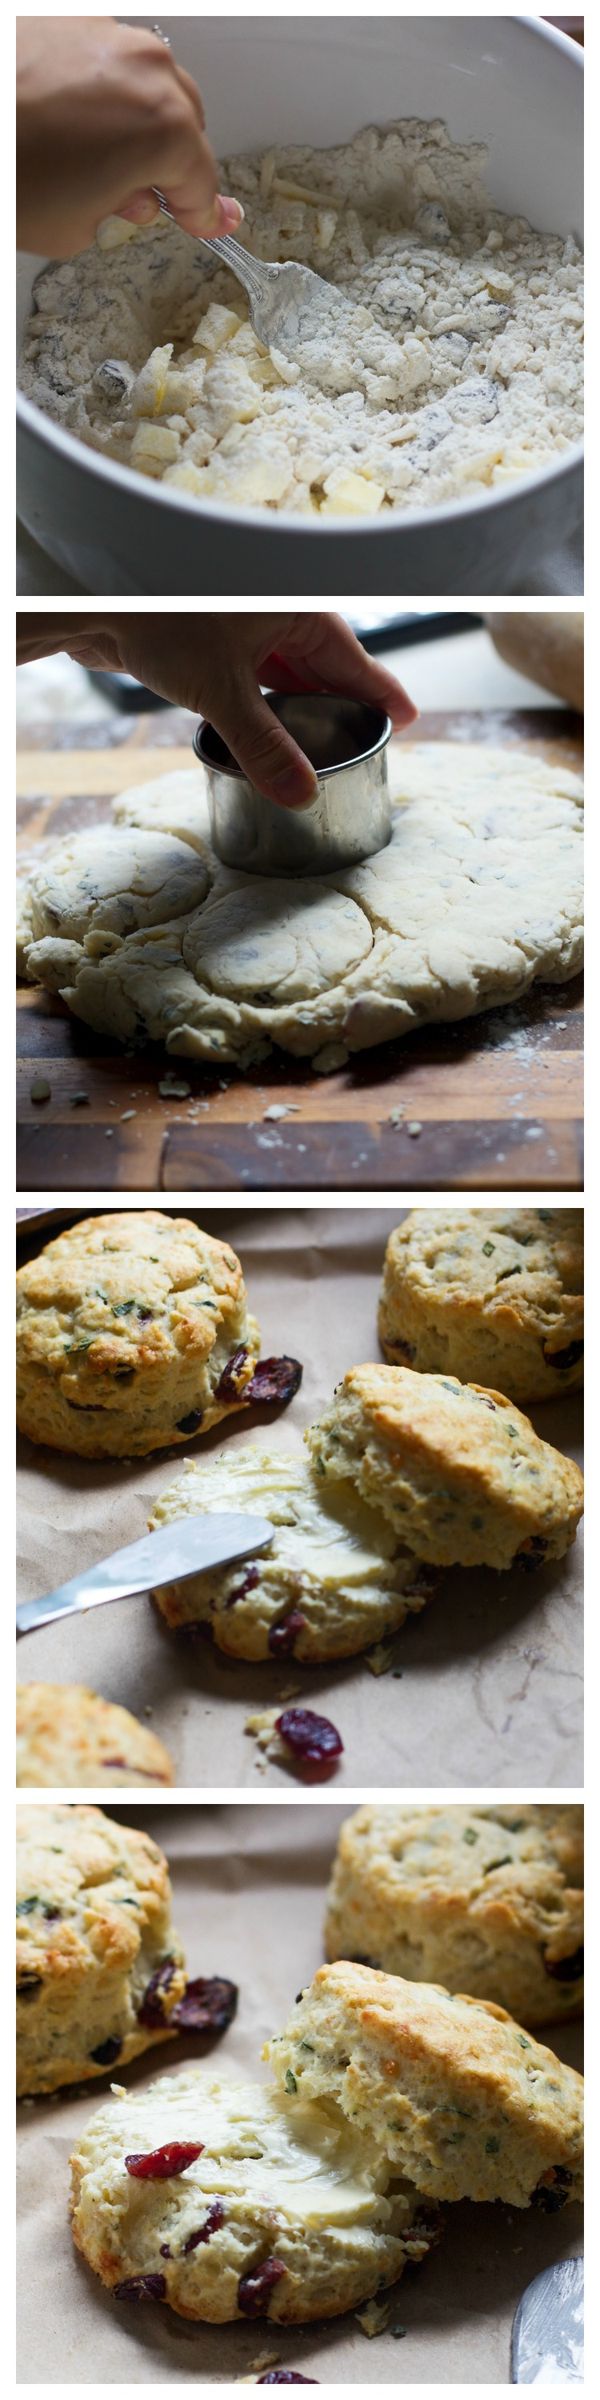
(489, 1680)
(249, 1888)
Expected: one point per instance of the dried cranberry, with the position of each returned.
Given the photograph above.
(404, 1353)
(107, 2052)
(254, 2288)
(533, 1556)
(151, 2011)
(553, 2192)
(190, 1423)
(227, 1387)
(165, 2250)
(248, 1582)
(51, 1913)
(278, 2375)
(207, 2005)
(312, 1739)
(274, 1379)
(282, 1637)
(27, 1985)
(566, 1970)
(563, 1358)
(172, 2159)
(215, 2218)
(141, 2287)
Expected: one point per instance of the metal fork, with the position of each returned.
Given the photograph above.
(286, 303)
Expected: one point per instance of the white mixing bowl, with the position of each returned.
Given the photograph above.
(512, 82)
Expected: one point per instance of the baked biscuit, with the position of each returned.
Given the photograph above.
(99, 1967)
(68, 1735)
(450, 2090)
(485, 1900)
(282, 2214)
(458, 1472)
(493, 1295)
(133, 1332)
(333, 1580)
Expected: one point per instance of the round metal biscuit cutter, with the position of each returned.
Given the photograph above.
(350, 816)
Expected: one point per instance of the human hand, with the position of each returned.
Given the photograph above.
(215, 664)
(103, 116)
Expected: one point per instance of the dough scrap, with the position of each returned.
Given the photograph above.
(477, 897)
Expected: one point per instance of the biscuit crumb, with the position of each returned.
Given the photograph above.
(374, 2318)
(262, 1724)
(380, 1659)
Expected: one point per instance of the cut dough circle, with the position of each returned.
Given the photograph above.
(276, 941)
(108, 881)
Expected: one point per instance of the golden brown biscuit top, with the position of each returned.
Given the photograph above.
(523, 1263)
(67, 1734)
(435, 1422)
(448, 2038)
(511, 1866)
(87, 1890)
(122, 1293)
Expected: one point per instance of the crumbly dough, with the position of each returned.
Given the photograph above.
(459, 370)
(68, 1735)
(334, 1580)
(458, 1472)
(126, 1325)
(494, 1295)
(477, 896)
(487, 1900)
(459, 2099)
(287, 2183)
(93, 1929)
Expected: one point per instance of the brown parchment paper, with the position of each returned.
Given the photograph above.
(488, 1688)
(249, 1886)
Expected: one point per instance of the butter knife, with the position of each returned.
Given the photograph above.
(186, 1547)
(547, 2335)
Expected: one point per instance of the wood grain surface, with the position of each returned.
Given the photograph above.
(497, 1099)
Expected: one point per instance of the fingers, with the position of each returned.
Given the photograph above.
(142, 208)
(326, 652)
(186, 169)
(262, 748)
(223, 216)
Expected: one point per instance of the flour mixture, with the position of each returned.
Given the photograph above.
(460, 370)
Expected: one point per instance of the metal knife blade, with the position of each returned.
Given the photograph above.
(547, 2334)
(186, 1547)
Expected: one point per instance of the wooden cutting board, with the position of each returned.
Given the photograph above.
(497, 1100)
